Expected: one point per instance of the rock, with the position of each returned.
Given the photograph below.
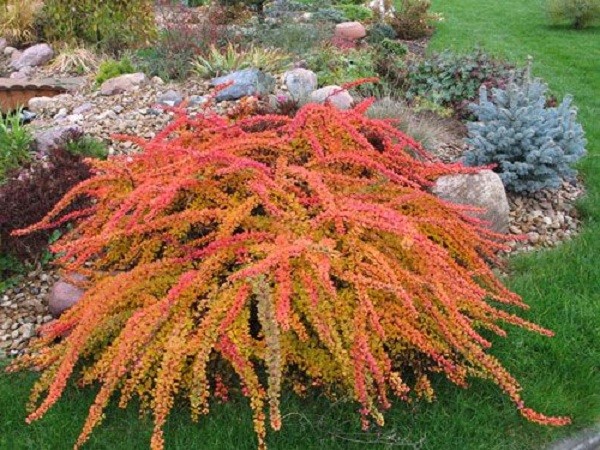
(245, 82)
(34, 56)
(123, 83)
(64, 295)
(341, 99)
(350, 31)
(170, 98)
(483, 190)
(14, 56)
(20, 75)
(8, 51)
(3, 44)
(158, 81)
(46, 140)
(300, 82)
(40, 104)
(197, 100)
(61, 114)
(27, 330)
(85, 107)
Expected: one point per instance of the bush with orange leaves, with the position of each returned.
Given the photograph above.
(307, 249)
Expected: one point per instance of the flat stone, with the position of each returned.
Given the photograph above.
(40, 104)
(83, 108)
(123, 83)
(245, 83)
(483, 190)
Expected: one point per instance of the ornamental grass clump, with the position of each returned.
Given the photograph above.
(272, 253)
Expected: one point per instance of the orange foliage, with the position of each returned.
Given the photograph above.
(306, 248)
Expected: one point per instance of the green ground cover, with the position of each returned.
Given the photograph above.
(559, 375)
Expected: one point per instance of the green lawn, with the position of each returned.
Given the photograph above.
(559, 375)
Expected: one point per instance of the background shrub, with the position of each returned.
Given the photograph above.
(532, 145)
(356, 12)
(170, 56)
(221, 61)
(293, 38)
(15, 142)
(413, 20)
(380, 31)
(111, 68)
(18, 20)
(578, 13)
(112, 24)
(335, 66)
(452, 80)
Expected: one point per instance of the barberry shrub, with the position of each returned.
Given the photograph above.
(269, 253)
(533, 146)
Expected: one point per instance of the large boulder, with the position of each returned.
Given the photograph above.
(123, 83)
(300, 83)
(483, 190)
(245, 82)
(36, 55)
(338, 97)
(65, 294)
(351, 31)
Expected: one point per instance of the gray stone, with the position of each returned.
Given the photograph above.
(3, 44)
(170, 98)
(27, 330)
(64, 294)
(36, 55)
(245, 82)
(8, 51)
(483, 190)
(338, 97)
(300, 82)
(61, 114)
(123, 83)
(40, 104)
(83, 108)
(55, 137)
(23, 74)
(197, 100)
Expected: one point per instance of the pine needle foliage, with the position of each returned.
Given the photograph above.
(267, 253)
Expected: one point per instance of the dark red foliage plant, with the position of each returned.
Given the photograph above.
(28, 197)
(269, 253)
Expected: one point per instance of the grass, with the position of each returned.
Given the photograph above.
(559, 375)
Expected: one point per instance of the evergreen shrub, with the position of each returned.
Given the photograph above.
(272, 253)
(533, 146)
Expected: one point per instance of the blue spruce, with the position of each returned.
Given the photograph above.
(533, 146)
